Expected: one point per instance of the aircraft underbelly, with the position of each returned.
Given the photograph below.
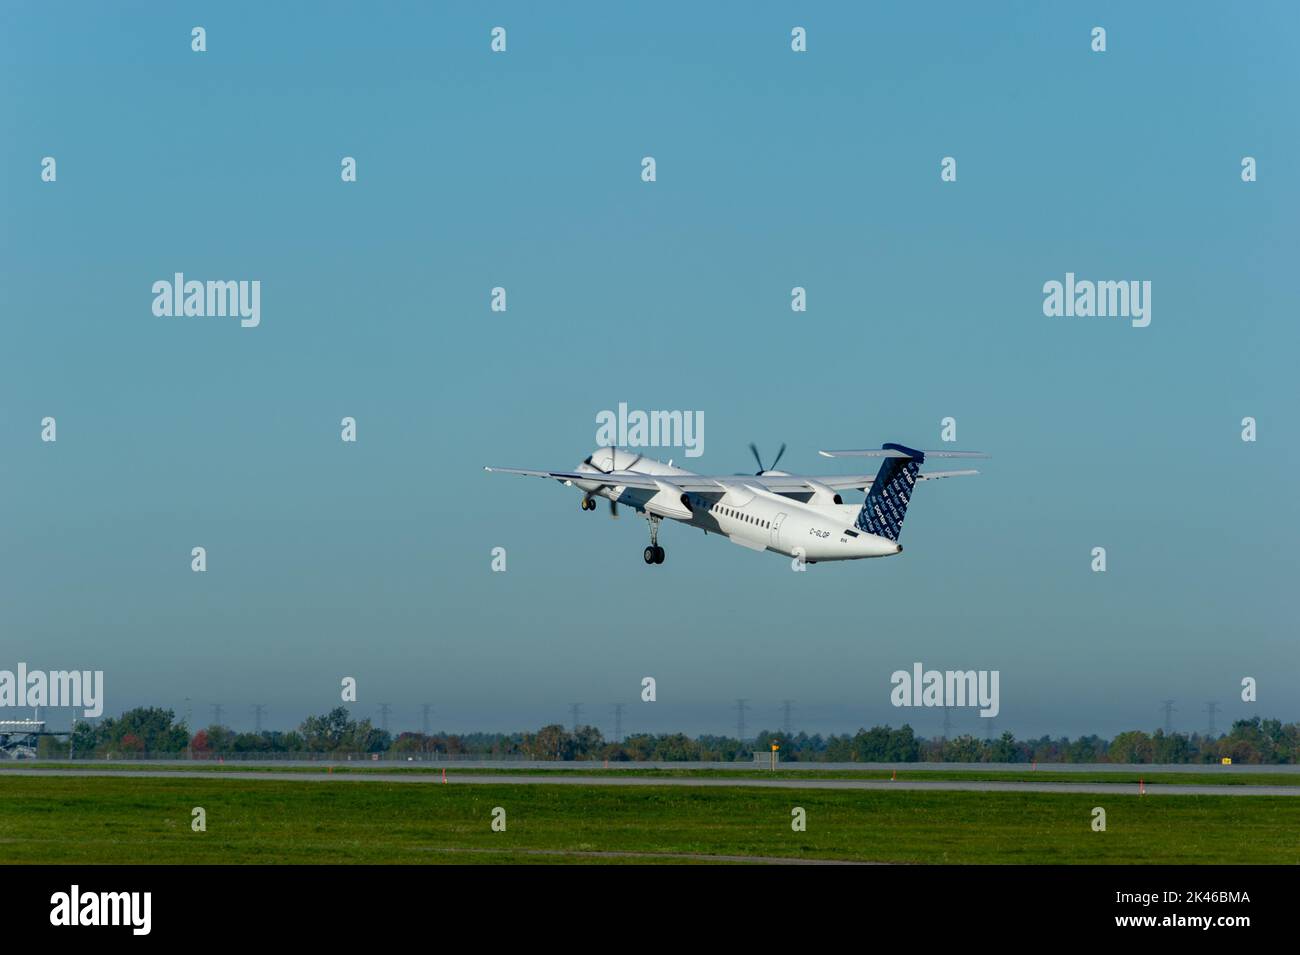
(748, 542)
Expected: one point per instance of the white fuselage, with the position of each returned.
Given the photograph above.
(746, 513)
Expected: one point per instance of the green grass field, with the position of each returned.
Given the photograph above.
(134, 820)
(1201, 776)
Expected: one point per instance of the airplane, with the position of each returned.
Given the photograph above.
(794, 515)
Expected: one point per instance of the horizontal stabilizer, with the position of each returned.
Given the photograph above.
(897, 451)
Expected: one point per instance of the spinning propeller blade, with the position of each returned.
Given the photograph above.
(753, 448)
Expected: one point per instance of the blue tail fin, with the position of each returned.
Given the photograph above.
(886, 504)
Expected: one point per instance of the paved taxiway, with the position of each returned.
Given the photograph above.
(568, 779)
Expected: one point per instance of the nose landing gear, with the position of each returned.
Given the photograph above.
(587, 504)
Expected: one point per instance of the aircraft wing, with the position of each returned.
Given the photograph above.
(704, 484)
(698, 483)
(783, 483)
(695, 482)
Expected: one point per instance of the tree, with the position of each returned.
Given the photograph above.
(676, 748)
(221, 739)
(1085, 749)
(326, 733)
(587, 742)
(85, 741)
(153, 729)
(550, 742)
(963, 749)
(1004, 749)
(1173, 748)
(1131, 747)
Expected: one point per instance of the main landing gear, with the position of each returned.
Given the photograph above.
(654, 554)
(587, 504)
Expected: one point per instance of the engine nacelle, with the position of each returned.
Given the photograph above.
(822, 494)
(669, 501)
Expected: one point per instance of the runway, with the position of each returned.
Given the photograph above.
(568, 779)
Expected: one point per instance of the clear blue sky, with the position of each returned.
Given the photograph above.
(522, 170)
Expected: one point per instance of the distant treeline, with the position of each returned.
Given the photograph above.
(155, 731)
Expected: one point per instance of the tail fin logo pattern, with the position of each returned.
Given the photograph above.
(886, 504)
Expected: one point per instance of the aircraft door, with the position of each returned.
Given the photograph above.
(776, 528)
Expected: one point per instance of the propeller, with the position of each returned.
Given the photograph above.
(761, 470)
(613, 459)
(613, 505)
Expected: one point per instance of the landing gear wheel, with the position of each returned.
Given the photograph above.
(587, 504)
(654, 554)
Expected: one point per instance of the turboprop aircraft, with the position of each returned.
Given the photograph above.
(791, 514)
